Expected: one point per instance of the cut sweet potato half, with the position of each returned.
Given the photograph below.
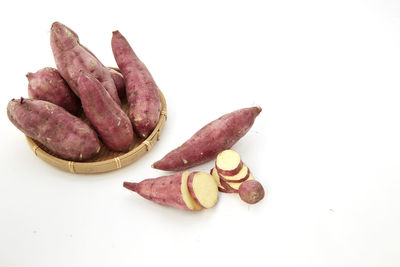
(217, 179)
(228, 162)
(238, 178)
(164, 190)
(203, 189)
(187, 197)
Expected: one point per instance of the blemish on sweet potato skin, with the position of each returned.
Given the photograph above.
(62, 133)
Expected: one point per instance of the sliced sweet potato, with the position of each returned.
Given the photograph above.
(203, 189)
(228, 162)
(171, 190)
(164, 190)
(236, 186)
(241, 176)
(222, 185)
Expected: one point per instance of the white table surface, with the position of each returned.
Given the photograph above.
(326, 145)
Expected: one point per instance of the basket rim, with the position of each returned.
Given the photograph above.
(115, 162)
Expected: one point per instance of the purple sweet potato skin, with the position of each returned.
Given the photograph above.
(119, 82)
(191, 190)
(64, 134)
(106, 116)
(71, 57)
(213, 138)
(141, 90)
(251, 191)
(164, 190)
(47, 84)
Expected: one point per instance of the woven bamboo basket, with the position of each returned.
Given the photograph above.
(106, 160)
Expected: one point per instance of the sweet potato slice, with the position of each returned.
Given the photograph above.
(187, 197)
(238, 178)
(236, 186)
(228, 162)
(203, 189)
(221, 188)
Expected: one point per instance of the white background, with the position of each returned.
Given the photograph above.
(326, 145)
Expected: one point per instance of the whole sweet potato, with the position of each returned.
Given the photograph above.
(109, 120)
(62, 133)
(213, 138)
(119, 82)
(47, 84)
(71, 57)
(141, 90)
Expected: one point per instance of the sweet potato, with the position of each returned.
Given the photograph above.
(203, 189)
(213, 138)
(141, 90)
(171, 190)
(71, 57)
(109, 120)
(47, 84)
(222, 185)
(228, 162)
(235, 186)
(119, 82)
(251, 191)
(62, 133)
(225, 186)
(241, 176)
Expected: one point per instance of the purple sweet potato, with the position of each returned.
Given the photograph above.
(141, 90)
(171, 190)
(119, 82)
(47, 84)
(109, 120)
(213, 138)
(62, 133)
(71, 57)
(251, 191)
